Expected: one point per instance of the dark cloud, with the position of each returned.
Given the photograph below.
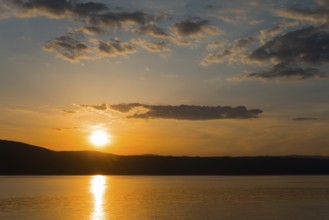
(152, 30)
(195, 27)
(115, 48)
(268, 33)
(308, 45)
(291, 51)
(305, 46)
(96, 17)
(187, 112)
(92, 30)
(92, 13)
(243, 42)
(117, 19)
(89, 8)
(210, 7)
(68, 48)
(99, 18)
(51, 8)
(285, 70)
(304, 119)
(125, 107)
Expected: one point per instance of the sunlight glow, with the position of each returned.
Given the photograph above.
(98, 188)
(99, 138)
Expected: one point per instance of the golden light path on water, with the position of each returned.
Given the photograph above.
(98, 188)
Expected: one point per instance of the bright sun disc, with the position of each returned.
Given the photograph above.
(99, 138)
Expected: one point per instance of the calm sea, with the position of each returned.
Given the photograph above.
(164, 197)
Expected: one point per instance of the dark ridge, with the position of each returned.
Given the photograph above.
(12, 146)
(23, 159)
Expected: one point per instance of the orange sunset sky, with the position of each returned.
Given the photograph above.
(166, 77)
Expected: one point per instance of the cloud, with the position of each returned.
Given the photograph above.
(92, 13)
(117, 19)
(228, 19)
(304, 119)
(4, 12)
(294, 55)
(89, 8)
(69, 111)
(195, 28)
(243, 42)
(115, 48)
(91, 30)
(322, 3)
(160, 46)
(286, 70)
(125, 108)
(96, 18)
(318, 15)
(64, 129)
(291, 51)
(216, 57)
(186, 112)
(237, 15)
(216, 45)
(267, 33)
(68, 48)
(101, 107)
(152, 30)
(307, 45)
(232, 53)
(50, 8)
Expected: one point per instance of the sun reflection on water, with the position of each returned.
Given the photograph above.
(98, 188)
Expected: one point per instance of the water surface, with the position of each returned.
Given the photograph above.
(164, 197)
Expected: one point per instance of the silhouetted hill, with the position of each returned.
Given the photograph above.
(23, 159)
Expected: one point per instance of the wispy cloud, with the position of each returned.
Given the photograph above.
(159, 46)
(101, 107)
(232, 53)
(317, 15)
(65, 129)
(68, 111)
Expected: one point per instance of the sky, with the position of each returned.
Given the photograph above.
(206, 78)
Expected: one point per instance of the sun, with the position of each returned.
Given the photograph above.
(99, 138)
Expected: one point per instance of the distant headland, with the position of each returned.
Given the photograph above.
(23, 159)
